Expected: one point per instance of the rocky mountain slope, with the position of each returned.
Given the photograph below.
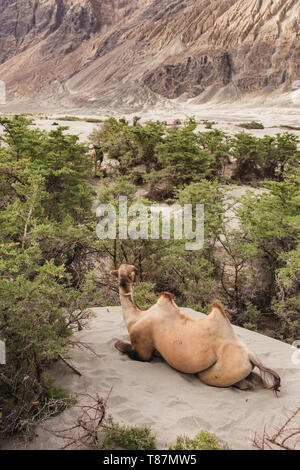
(118, 53)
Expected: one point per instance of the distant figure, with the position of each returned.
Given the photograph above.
(96, 155)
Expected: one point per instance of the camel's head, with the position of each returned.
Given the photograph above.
(125, 275)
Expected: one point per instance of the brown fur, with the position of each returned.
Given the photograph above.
(205, 346)
(167, 295)
(267, 374)
(217, 304)
(125, 275)
(126, 348)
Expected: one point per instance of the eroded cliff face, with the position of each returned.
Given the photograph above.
(115, 52)
(60, 25)
(252, 43)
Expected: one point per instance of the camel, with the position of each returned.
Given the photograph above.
(96, 155)
(206, 346)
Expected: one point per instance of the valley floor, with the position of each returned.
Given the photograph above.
(226, 117)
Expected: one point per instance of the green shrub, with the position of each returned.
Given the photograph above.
(79, 119)
(171, 156)
(144, 295)
(209, 124)
(271, 222)
(218, 144)
(267, 157)
(46, 281)
(93, 120)
(117, 436)
(251, 316)
(68, 118)
(181, 156)
(204, 440)
(251, 125)
(132, 144)
(287, 126)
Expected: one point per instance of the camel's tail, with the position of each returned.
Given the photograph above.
(270, 378)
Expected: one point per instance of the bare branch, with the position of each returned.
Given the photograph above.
(70, 365)
(283, 434)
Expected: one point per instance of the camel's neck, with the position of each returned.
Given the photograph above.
(129, 310)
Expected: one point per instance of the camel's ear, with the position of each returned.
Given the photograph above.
(132, 275)
(114, 273)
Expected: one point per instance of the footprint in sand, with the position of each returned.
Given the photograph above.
(111, 342)
(129, 413)
(175, 403)
(192, 422)
(117, 400)
(113, 380)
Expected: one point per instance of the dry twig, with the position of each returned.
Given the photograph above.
(85, 432)
(286, 437)
(70, 365)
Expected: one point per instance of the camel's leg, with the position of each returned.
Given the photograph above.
(244, 385)
(250, 382)
(232, 367)
(157, 354)
(127, 348)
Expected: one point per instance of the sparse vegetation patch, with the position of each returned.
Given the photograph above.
(251, 125)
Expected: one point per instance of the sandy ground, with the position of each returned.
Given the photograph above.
(153, 394)
(225, 119)
(82, 129)
(226, 115)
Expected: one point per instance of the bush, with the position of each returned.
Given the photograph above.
(209, 124)
(117, 436)
(46, 281)
(267, 157)
(132, 144)
(270, 222)
(181, 156)
(218, 144)
(76, 118)
(144, 295)
(251, 125)
(167, 157)
(251, 317)
(204, 440)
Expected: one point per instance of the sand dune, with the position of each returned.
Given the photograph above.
(172, 403)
